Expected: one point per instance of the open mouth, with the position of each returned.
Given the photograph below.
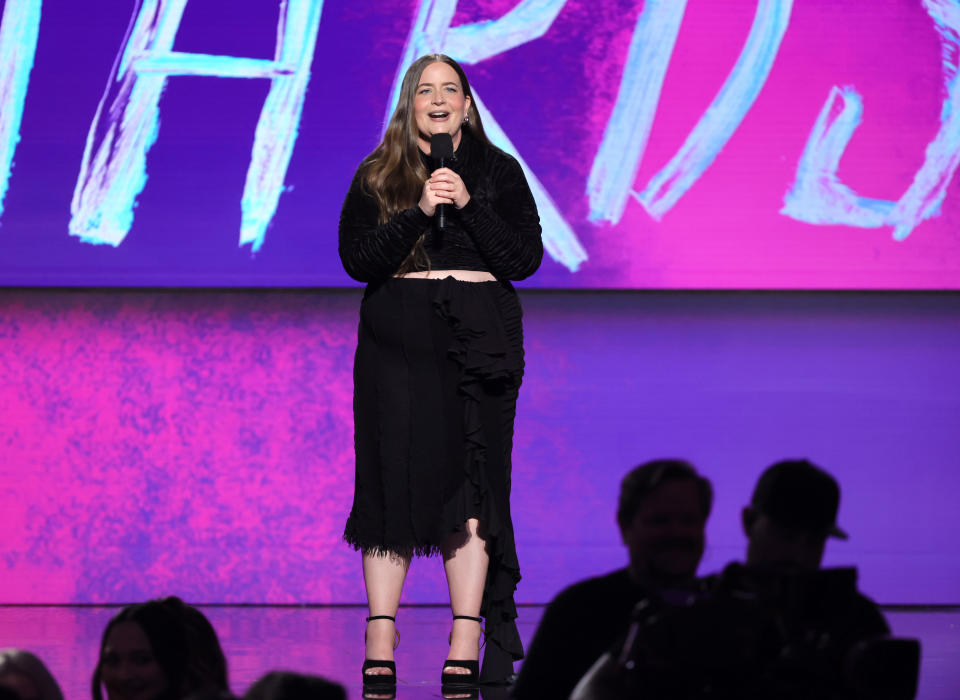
(439, 116)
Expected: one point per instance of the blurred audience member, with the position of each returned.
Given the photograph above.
(157, 650)
(662, 512)
(777, 627)
(790, 517)
(284, 685)
(792, 513)
(26, 675)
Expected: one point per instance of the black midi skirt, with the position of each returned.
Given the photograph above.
(436, 375)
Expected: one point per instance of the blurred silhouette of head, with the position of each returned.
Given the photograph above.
(284, 685)
(792, 512)
(664, 505)
(27, 676)
(156, 650)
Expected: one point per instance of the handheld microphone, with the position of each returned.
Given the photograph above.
(441, 151)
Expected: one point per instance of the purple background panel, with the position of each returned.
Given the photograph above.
(553, 96)
(200, 443)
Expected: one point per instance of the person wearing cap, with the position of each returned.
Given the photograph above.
(662, 513)
(805, 616)
(792, 513)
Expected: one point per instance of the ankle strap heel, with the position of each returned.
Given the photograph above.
(468, 617)
(462, 682)
(380, 682)
(478, 620)
(396, 632)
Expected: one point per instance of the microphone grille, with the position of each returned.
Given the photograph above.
(441, 146)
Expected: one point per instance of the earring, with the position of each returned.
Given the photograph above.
(466, 119)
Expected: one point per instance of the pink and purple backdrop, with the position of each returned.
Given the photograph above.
(201, 442)
(675, 143)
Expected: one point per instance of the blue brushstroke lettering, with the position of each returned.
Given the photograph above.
(818, 196)
(725, 113)
(113, 170)
(19, 30)
(626, 135)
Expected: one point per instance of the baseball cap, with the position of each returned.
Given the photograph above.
(796, 493)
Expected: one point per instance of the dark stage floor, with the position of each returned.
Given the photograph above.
(329, 641)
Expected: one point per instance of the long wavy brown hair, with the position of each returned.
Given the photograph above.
(394, 173)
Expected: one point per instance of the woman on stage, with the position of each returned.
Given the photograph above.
(438, 366)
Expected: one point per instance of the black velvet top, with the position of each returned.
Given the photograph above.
(498, 231)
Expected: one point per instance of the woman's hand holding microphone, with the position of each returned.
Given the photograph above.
(443, 187)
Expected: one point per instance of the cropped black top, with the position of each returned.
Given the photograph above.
(498, 231)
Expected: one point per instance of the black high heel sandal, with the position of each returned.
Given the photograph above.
(380, 682)
(461, 682)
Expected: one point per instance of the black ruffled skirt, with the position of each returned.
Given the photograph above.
(437, 371)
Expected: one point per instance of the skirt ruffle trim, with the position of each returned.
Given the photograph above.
(485, 357)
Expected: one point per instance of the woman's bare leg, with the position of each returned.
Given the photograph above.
(465, 561)
(383, 577)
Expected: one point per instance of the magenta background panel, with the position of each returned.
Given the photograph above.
(200, 443)
(155, 441)
(554, 96)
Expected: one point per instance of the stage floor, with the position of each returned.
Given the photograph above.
(329, 642)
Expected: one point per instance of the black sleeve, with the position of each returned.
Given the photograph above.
(369, 250)
(506, 228)
(564, 647)
(870, 622)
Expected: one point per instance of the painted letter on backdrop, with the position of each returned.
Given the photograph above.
(725, 113)
(19, 30)
(114, 172)
(625, 138)
(818, 196)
